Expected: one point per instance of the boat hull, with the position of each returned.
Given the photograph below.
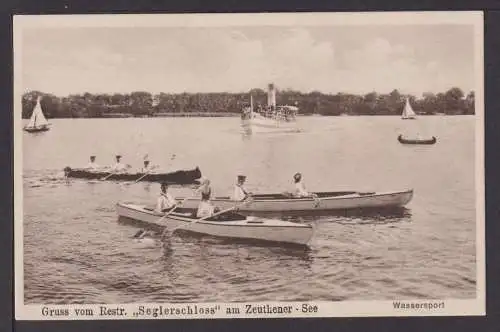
(37, 129)
(178, 177)
(250, 228)
(259, 123)
(431, 141)
(326, 202)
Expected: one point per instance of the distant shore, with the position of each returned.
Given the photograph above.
(223, 104)
(233, 115)
(172, 115)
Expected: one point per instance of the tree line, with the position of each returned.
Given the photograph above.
(140, 103)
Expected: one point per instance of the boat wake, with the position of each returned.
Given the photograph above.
(367, 216)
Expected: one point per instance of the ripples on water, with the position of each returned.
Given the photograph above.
(76, 252)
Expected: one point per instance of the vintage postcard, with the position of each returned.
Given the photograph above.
(249, 165)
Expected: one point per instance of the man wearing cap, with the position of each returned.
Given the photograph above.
(300, 189)
(165, 201)
(118, 166)
(239, 192)
(205, 207)
(92, 164)
(147, 168)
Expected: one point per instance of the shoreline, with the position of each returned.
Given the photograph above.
(233, 115)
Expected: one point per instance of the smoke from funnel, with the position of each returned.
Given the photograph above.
(271, 96)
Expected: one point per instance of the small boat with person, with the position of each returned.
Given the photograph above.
(225, 224)
(319, 201)
(37, 122)
(418, 140)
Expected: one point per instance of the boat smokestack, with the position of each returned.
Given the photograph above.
(271, 96)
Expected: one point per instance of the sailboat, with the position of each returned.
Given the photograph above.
(37, 122)
(408, 113)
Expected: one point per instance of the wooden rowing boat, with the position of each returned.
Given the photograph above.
(228, 225)
(426, 141)
(177, 177)
(325, 201)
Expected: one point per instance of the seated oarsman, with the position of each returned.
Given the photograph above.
(92, 165)
(148, 168)
(206, 208)
(239, 192)
(165, 201)
(119, 167)
(300, 188)
(205, 189)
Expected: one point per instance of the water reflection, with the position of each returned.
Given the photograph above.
(214, 255)
(197, 238)
(365, 215)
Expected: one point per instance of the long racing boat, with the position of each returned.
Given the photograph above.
(325, 201)
(177, 177)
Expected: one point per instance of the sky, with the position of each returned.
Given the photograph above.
(351, 59)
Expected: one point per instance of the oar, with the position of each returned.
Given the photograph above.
(316, 200)
(237, 206)
(139, 179)
(175, 207)
(105, 178)
(152, 167)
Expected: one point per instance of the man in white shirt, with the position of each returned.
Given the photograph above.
(300, 189)
(118, 166)
(205, 207)
(239, 192)
(165, 201)
(147, 168)
(92, 164)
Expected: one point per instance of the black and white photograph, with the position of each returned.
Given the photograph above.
(249, 165)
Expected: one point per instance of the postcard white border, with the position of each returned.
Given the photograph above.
(450, 307)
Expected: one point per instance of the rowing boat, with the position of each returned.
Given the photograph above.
(177, 177)
(424, 141)
(227, 225)
(325, 201)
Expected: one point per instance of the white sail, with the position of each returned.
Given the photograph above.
(408, 112)
(37, 118)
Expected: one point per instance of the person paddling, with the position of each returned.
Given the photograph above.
(165, 201)
(147, 168)
(206, 208)
(300, 189)
(239, 192)
(92, 164)
(119, 166)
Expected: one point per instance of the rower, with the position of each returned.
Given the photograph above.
(239, 192)
(205, 188)
(165, 201)
(206, 208)
(118, 166)
(92, 164)
(147, 168)
(300, 189)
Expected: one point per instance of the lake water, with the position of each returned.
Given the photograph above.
(76, 251)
